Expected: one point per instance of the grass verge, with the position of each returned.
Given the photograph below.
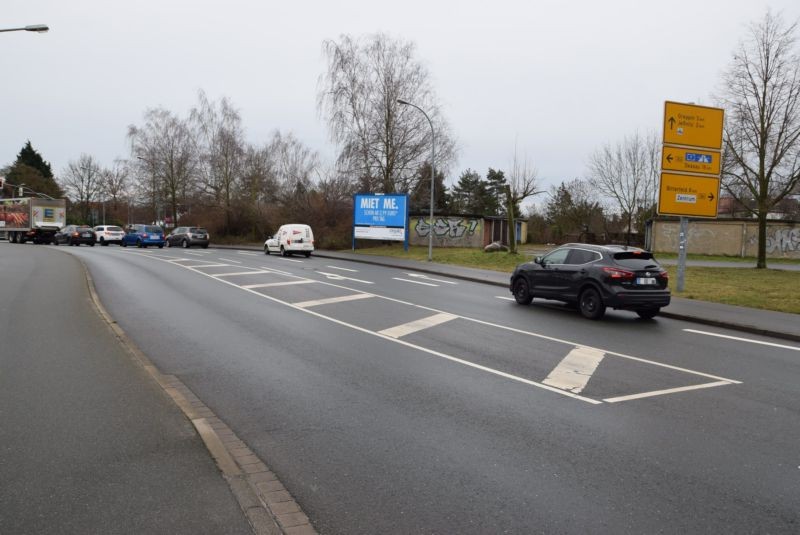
(768, 289)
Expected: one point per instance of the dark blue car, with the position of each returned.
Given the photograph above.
(143, 235)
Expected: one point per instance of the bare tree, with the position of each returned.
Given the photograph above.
(761, 96)
(296, 168)
(83, 181)
(221, 146)
(521, 185)
(627, 173)
(257, 187)
(382, 143)
(116, 182)
(166, 147)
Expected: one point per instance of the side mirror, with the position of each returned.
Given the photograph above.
(538, 260)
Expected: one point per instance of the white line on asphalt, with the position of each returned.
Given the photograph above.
(427, 278)
(504, 297)
(414, 282)
(229, 260)
(235, 273)
(343, 269)
(248, 253)
(332, 300)
(793, 348)
(575, 370)
(720, 380)
(196, 254)
(337, 277)
(668, 391)
(290, 259)
(282, 283)
(279, 271)
(205, 265)
(418, 325)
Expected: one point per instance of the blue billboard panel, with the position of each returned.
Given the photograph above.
(380, 217)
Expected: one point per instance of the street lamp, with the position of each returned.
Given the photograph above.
(38, 28)
(433, 173)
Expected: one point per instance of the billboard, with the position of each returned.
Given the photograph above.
(378, 216)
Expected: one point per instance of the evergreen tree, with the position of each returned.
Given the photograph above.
(34, 172)
(496, 189)
(420, 199)
(470, 195)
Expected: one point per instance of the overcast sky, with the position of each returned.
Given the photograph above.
(559, 78)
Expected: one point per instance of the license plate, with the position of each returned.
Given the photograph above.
(86, 235)
(645, 280)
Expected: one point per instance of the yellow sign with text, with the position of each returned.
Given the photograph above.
(688, 195)
(690, 160)
(693, 126)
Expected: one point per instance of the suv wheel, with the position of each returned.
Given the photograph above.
(266, 250)
(522, 293)
(185, 244)
(648, 313)
(139, 244)
(591, 304)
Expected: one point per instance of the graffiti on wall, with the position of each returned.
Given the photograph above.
(783, 240)
(447, 227)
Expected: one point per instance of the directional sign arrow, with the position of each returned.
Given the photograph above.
(671, 122)
(669, 158)
(710, 197)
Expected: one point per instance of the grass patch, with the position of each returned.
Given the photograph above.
(768, 289)
(720, 258)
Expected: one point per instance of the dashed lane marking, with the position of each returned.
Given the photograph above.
(333, 300)
(237, 273)
(418, 325)
(427, 278)
(229, 260)
(792, 348)
(504, 298)
(414, 282)
(281, 283)
(343, 269)
(575, 370)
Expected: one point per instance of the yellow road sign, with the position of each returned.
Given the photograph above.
(688, 195)
(693, 126)
(690, 160)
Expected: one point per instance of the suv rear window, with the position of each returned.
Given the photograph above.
(114, 229)
(635, 259)
(151, 228)
(197, 230)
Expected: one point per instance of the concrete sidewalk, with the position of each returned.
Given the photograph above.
(751, 320)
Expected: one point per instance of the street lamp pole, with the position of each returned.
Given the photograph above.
(38, 28)
(433, 173)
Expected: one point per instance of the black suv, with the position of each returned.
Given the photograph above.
(594, 277)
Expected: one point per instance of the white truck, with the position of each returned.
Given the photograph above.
(32, 219)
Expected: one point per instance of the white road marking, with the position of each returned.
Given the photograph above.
(282, 283)
(273, 270)
(337, 277)
(575, 370)
(236, 273)
(229, 260)
(205, 265)
(426, 277)
(721, 381)
(332, 300)
(248, 253)
(290, 259)
(343, 269)
(793, 348)
(668, 391)
(418, 325)
(504, 297)
(196, 254)
(415, 282)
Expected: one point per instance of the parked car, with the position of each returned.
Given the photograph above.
(75, 235)
(143, 235)
(187, 236)
(109, 234)
(290, 239)
(594, 277)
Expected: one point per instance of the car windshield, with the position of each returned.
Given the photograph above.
(636, 259)
(152, 228)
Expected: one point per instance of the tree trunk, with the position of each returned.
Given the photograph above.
(512, 231)
(761, 263)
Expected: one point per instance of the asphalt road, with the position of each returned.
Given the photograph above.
(389, 401)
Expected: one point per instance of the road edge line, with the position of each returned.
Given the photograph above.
(269, 508)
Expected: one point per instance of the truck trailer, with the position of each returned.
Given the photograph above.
(32, 219)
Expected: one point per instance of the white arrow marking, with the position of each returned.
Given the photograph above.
(343, 269)
(337, 277)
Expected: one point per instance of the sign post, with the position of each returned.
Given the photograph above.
(690, 168)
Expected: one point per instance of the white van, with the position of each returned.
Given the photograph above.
(290, 239)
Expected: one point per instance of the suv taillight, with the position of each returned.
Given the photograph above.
(616, 273)
(664, 275)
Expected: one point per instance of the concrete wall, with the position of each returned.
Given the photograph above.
(729, 237)
(448, 231)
